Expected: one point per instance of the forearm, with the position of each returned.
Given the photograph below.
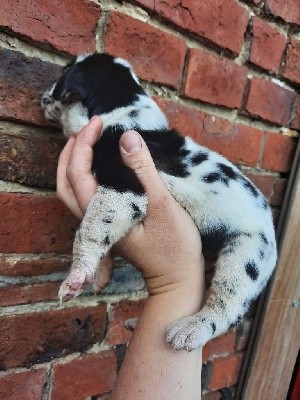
(151, 369)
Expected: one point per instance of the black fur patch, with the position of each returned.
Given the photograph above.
(251, 270)
(199, 158)
(96, 80)
(136, 211)
(263, 238)
(261, 255)
(213, 327)
(228, 171)
(106, 240)
(250, 187)
(107, 220)
(213, 177)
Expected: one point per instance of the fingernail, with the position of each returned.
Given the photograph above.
(131, 142)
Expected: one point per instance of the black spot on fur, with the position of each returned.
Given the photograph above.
(106, 240)
(228, 171)
(261, 255)
(250, 187)
(107, 220)
(199, 158)
(136, 211)
(236, 323)
(133, 113)
(213, 327)
(251, 270)
(265, 204)
(212, 177)
(263, 238)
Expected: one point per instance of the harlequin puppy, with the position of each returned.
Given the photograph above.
(233, 217)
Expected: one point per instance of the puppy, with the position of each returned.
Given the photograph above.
(232, 215)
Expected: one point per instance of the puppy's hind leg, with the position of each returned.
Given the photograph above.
(108, 218)
(240, 275)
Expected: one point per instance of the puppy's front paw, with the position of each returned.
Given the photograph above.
(189, 333)
(75, 283)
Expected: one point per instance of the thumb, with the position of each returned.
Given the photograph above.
(135, 155)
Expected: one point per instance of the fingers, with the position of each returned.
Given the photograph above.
(135, 154)
(78, 169)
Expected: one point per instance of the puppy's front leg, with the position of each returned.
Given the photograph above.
(109, 216)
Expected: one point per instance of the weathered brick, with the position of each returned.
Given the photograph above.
(22, 385)
(279, 152)
(31, 160)
(296, 118)
(26, 265)
(22, 81)
(289, 10)
(25, 294)
(222, 345)
(85, 376)
(216, 133)
(278, 192)
(42, 22)
(292, 64)
(38, 337)
(264, 182)
(35, 224)
(267, 45)
(269, 101)
(223, 22)
(214, 79)
(120, 312)
(226, 371)
(155, 55)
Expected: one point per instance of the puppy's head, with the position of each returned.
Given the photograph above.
(97, 84)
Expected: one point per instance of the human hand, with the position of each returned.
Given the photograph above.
(165, 246)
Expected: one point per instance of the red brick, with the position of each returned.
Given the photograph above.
(222, 345)
(42, 22)
(267, 45)
(278, 152)
(279, 192)
(224, 22)
(211, 396)
(120, 312)
(22, 82)
(35, 224)
(85, 376)
(269, 101)
(296, 118)
(289, 10)
(216, 133)
(22, 385)
(226, 371)
(156, 56)
(26, 265)
(39, 337)
(26, 294)
(214, 79)
(292, 64)
(31, 160)
(264, 182)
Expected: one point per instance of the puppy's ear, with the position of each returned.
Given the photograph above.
(70, 87)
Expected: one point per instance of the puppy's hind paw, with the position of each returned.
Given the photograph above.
(188, 334)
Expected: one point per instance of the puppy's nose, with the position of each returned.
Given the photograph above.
(47, 100)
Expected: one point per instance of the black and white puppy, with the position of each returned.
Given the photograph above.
(232, 215)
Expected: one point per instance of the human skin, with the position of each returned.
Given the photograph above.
(166, 248)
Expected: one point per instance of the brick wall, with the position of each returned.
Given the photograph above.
(227, 74)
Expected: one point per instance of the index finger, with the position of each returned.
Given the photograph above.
(79, 173)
